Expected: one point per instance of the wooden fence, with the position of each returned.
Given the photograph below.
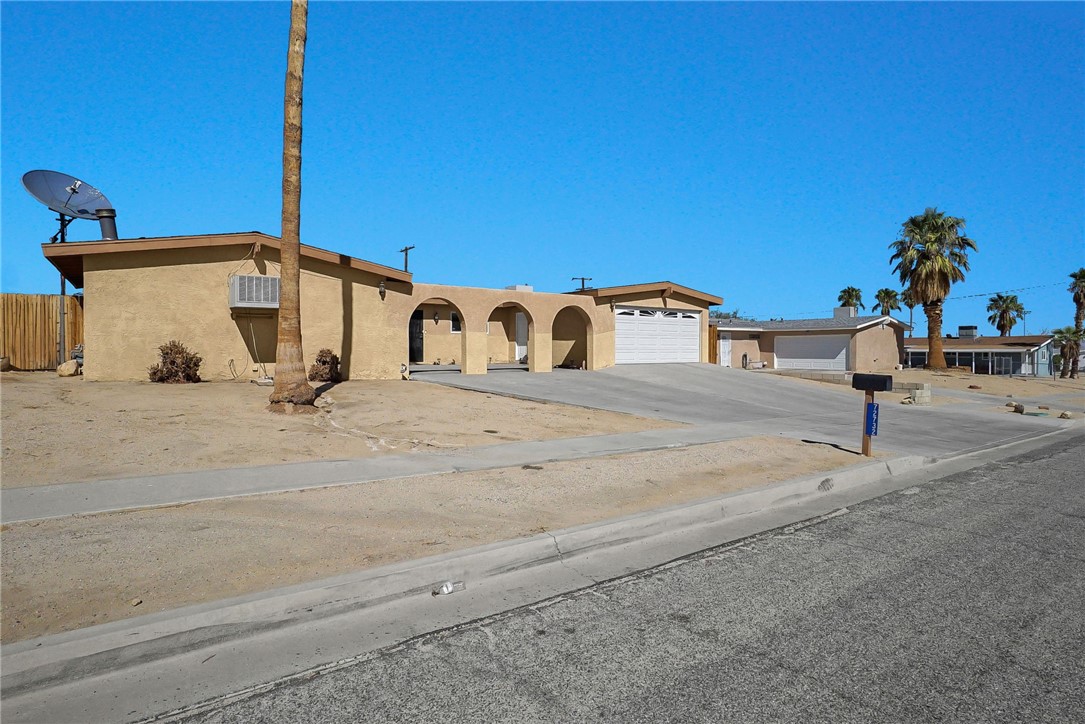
(30, 324)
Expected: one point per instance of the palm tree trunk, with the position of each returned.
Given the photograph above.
(1079, 320)
(291, 385)
(936, 358)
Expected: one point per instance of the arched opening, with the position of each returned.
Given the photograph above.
(509, 330)
(572, 339)
(435, 336)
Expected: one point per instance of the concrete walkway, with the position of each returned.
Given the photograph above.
(718, 404)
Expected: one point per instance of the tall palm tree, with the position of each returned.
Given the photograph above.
(931, 254)
(1068, 340)
(1077, 288)
(907, 297)
(851, 297)
(888, 300)
(291, 385)
(1005, 311)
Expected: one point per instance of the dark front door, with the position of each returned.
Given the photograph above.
(416, 337)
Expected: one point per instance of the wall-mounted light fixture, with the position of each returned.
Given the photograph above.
(381, 290)
(436, 317)
(612, 305)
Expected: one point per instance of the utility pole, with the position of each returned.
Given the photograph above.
(406, 250)
(582, 281)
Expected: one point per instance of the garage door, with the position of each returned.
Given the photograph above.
(656, 335)
(822, 352)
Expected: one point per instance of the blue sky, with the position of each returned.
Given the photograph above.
(766, 153)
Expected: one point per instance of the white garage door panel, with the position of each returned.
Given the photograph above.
(656, 335)
(820, 352)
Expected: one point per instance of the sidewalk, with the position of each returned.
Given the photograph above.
(932, 432)
(130, 669)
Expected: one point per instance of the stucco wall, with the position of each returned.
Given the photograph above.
(440, 344)
(877, 349)
(138, 300)
(570, 344)
(741, 344)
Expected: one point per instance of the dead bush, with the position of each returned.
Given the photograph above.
(177, 364)
(326, 367)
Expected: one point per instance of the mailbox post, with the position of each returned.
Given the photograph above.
(871, 384)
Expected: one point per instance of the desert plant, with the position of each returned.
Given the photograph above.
(176, 364)
(931, 255)
(326, 367)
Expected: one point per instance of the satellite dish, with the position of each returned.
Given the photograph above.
(65, 194)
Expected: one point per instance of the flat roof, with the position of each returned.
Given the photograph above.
(68, 257)
(665, 289)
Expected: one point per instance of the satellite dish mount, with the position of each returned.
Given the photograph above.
(72, 199)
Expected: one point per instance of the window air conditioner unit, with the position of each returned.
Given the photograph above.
(254, 292)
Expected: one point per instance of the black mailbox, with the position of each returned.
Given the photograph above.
(872, 383)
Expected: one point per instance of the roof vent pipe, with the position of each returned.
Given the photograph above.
(107, 219)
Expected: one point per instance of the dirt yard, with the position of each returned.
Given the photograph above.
(1024, 387)
(73, 572)
(1070, 393)
(65, 430)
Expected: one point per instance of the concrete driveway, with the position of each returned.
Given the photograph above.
(739, 403)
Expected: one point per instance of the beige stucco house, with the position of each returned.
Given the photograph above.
(844, 342)
(218, 294)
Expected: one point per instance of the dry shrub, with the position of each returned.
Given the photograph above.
(326, 367)
(177, 364)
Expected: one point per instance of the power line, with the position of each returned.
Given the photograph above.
(1004, 291)
(799, 315)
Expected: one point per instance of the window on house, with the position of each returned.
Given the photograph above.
(456, 327)
(1043, 354)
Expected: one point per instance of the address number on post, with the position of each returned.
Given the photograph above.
(872, 418)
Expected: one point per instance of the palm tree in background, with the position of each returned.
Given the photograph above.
(888, 301)
(1077, 289)
(1068, 340)
(851, 297)
(291, 385)
(931, 254)
(908, 299)
(1005, 311)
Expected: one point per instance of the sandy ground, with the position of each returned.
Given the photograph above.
(69, 573)
(64, 430)
(1071, 393)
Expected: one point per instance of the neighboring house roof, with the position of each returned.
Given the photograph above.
(665, 289)
(805, 325)
(982, 344)
(68, 257)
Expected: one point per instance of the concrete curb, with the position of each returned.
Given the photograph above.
(50, 660)
(39, 664)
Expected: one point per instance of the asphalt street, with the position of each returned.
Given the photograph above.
(962, 599)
